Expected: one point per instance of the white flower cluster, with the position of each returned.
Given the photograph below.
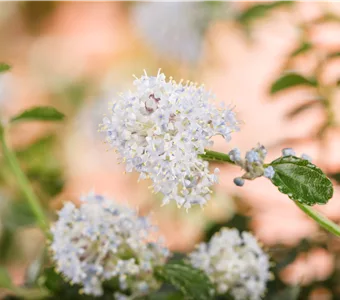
(160, 130)
(253, 164)
(235, 263)
(177, 35)
(102, 240)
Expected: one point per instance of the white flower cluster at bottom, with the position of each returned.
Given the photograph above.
(235, 263)
(102, 240)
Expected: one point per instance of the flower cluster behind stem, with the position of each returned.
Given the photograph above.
(235, 263)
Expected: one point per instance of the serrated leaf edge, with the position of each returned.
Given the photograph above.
(310, 166)
(179, 283)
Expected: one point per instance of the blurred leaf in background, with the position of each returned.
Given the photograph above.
(290, 80)
(4, 67)
(34, 13)
(41, 165)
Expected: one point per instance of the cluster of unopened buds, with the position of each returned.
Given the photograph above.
(254, 165)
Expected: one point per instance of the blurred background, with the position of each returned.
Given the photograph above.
(278, 63)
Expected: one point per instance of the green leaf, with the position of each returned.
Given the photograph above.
(41, 165)
(39, 113)
(287, 2)
(59, 288)
(260, 10)
(333, 55)
(193, 283)
(285, 256)
(303, 107)
(6, 244)
(327, 17)
(254, 12)
(170, 295)
(4, 67)
(304, 47)
(213, 3)
(289, 293)
(301, 180)
(290, 80)
(19, 214)
(16, 214)
(5, 279)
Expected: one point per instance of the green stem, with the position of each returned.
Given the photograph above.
(23, 182)
(216, 156)
(321, 219)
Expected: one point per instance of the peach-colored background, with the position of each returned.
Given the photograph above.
(103, 44)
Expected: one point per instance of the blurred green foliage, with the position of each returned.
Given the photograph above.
(40, 162)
